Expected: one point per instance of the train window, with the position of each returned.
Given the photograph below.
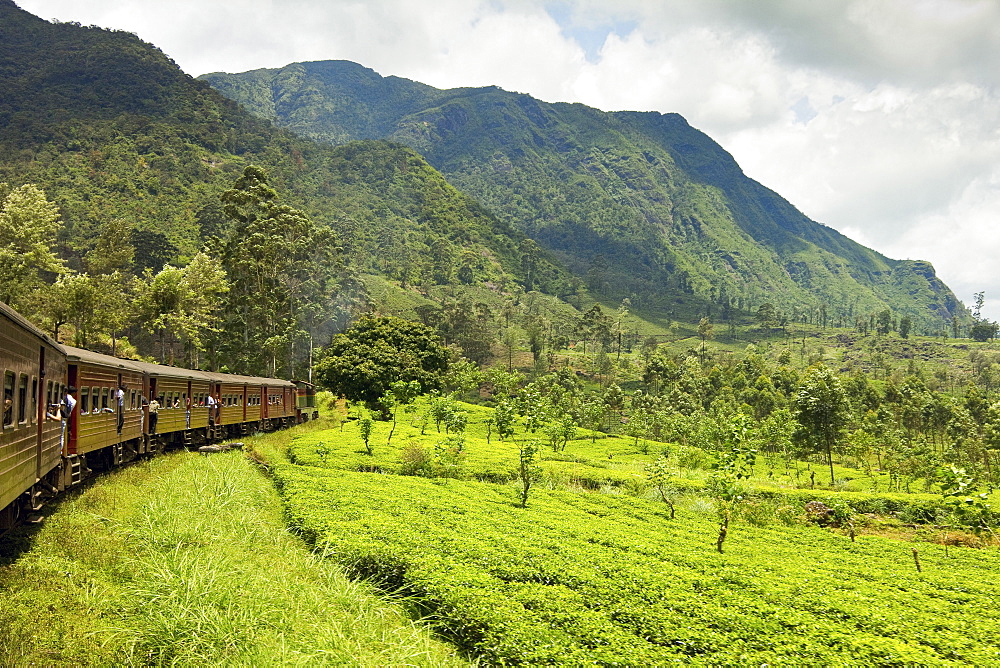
(132, 404)
(34, 398)
(162, 400)
(8, 398)
(84, 400)
(22, 399)
(105, 393)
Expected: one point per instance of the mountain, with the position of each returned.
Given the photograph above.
(109, 127)
(640, 205)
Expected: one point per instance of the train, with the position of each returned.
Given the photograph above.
(124, 409)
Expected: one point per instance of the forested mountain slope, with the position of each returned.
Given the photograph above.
(638, 204)
(110, 128)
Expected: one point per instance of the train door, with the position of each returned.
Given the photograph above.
(150, 420)
(40, 408)
(72, 426)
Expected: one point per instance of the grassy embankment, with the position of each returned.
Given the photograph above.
(185, 559)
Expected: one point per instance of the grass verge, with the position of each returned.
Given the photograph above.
(185, 559)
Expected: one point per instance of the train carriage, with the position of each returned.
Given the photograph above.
(34, 372)
(249, 402)
(305, 401)
(102, 422)
(231, 397)
(183, 398)
(280, 403)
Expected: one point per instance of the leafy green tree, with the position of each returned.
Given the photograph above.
(401, 393)
(660, 474)
(983, 331)
(181, 304)
(591, 417)
(284, 272)
(115, 308)
(822, 411)
(767, 315)
(528, 470)
(638, 425)
(365, 427)
(113, 250)
(29, 224)
(705, 332)
(972, 510)
(363, 361)
(504, 415)
(905, 325)
(594, 325)
(726, 483)
(883, 321)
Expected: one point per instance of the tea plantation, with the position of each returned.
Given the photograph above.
(593, 570)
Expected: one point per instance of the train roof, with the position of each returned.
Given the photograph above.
(90, 357)
(162, 370)
(248, 380)
(25, 324)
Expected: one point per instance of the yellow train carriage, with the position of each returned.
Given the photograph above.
(102, 418)
(248, 402)
(305, 400)
(182, 395)
(33, 375)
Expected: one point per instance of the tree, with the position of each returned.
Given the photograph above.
(528, 471)
(660, 475)
(822, 411)
(401, 393)
(705, 328)
(767, 315)
(365, 427)
(972, 510)
(284, 271)
(905, 324)
(114, 250)
(28, 227)
(883, 321)
(983, 331)
(363, 361)
(182, 303)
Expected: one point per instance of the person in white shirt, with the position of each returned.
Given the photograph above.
(120, 404)
(66, 412)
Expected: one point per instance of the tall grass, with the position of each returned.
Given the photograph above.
(185, 559)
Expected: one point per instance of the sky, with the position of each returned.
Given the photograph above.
(879, 118)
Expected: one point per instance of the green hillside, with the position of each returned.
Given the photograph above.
(640, 205)
(108, 126)
(129, 147)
